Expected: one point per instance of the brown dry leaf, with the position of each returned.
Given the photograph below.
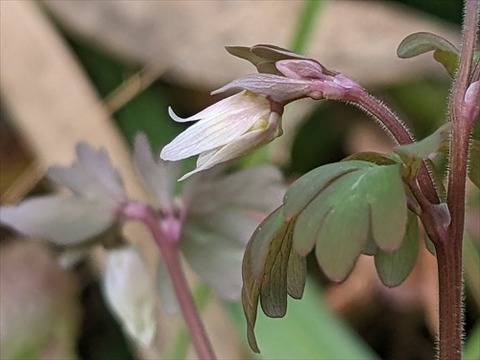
(357, 37)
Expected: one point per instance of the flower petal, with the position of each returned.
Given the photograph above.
(214, 110)
(278, 88)
(130, 292)
(226, 126)
(65, 220)
(251, 140)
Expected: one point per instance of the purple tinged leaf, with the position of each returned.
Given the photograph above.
(159, 177)
(263, 56)
(274, 53)
(98, 164)
(64, 220)
(91, 176)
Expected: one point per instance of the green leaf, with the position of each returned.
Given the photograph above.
(273, 292)
(413, 155)
(375, 158)
(296, 275)
(259, 244)
(341, 238)
(370, 247)
(422, 42)
(394, 267)
(338, 210)
(264, 271)
(474, 162)
(449, 60)
(306, 188)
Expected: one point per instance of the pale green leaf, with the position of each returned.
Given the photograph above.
(422, 42)
(413, 154)
(273, 293)
(394, 267)
(341, 238)
(296, 275)
(310, 185)
(367, 201)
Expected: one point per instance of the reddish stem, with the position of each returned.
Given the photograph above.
(167, 241)
(449, 252)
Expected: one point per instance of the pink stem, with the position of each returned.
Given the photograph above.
(167, 241)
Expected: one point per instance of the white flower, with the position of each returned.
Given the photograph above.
(226, 130)
(130, 293)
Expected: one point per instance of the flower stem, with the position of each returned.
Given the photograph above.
(449, 252)
(169, 247)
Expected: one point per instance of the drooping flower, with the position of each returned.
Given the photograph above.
(225, 130)
(252, 117)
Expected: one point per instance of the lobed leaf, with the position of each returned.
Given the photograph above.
(273, 292)
(259, 245)
(341, 239)
(271, 271)
(339, 214)
(66, 220)
(309, 186)
(413, 155)
(394, 267)
(422, 42)
(296, 274)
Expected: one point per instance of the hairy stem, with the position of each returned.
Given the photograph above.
(396, 129)
(449, 252)
(167, 241)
